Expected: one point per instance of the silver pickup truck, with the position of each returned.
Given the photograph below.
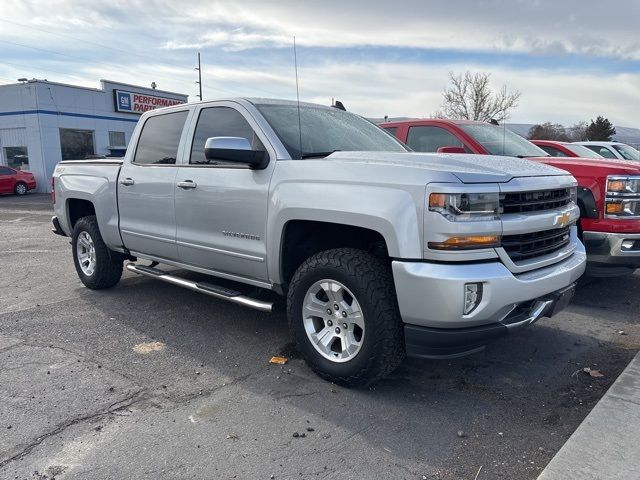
(379, 251)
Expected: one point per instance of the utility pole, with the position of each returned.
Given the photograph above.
(199, 82)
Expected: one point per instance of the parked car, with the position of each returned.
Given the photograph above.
(613, 150)
(565, 149)
(378, 251)
(608, 193)
(16, 181)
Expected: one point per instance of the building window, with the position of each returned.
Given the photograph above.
(17, 157)
(116, 139)
(76, 144)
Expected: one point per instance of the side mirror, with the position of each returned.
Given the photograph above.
(235, 149)
(451, 150)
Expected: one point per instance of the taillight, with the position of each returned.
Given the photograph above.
(53, 190)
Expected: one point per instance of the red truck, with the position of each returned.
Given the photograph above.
(608, 193)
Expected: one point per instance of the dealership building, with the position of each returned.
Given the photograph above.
(43, 122)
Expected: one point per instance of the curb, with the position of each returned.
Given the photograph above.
(607, 442)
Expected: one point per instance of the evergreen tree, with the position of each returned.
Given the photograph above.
(601, 129)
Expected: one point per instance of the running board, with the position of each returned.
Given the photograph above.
(216, 291)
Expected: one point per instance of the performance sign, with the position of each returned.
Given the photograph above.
(132, 102)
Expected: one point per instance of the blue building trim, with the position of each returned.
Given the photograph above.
(68, 114)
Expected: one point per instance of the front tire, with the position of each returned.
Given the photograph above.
(97, 266)
(344, 316)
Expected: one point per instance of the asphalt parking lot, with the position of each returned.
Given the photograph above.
(148, 380)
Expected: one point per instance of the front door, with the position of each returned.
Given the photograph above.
(146, 187)
(221, 208)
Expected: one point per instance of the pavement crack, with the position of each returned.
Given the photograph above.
(291, 395)
(112, 409)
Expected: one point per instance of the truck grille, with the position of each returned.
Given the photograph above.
(529, 245)
(535, 201)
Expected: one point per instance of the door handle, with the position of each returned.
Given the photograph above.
(187, 184)
(127, 181)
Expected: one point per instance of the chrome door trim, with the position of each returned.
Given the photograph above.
(223, 252)
(213, 273)
(146, 235)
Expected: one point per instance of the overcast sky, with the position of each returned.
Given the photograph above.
(572, 59)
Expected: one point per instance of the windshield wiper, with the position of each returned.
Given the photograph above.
(532, 156)
(317, 154)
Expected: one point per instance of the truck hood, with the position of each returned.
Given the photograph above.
(467, 168)
(608, 165)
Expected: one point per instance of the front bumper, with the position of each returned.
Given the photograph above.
(607, 256)
(431, 300)
(429, 342)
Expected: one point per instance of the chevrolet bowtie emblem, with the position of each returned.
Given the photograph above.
(563, 220)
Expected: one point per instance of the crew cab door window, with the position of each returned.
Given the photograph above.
(220, 122)
(553, 151)
(159, 139)
(430, 139)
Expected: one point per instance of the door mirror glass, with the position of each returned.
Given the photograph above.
(451, 150)
(235, 149)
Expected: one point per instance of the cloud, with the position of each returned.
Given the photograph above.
(570, 59)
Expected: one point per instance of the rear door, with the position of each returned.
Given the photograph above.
(6, 180)
(222, 215)
(146, 186)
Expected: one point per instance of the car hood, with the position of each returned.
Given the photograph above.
(622, 167)
(467, 168)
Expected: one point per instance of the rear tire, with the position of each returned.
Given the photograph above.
(97, 266)
(20, 188)
(372, 344)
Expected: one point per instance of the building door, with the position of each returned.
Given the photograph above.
(222, 218)
(146, 187)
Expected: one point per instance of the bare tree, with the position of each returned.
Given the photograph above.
(469, 96)
(578, 132)
(548, 131)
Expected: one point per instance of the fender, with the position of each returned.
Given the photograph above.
(100, 191)
(390, 212)
(587, 203)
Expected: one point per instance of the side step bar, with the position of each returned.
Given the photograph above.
(202, 287)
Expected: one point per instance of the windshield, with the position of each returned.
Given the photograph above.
(583, 152)
(627, 151)
(502, 141)
(325, 130)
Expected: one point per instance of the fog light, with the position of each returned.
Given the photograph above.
(472, 297)
(630, 245)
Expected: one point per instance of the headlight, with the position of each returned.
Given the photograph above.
(573, 194)
(465, 207)
(623, 197)
(623, 185)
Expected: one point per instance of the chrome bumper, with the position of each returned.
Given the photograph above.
(604, 247)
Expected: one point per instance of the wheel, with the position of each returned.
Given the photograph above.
(97, 266)
(343, 314)
(20, 188)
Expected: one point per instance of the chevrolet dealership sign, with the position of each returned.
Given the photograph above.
(132, 102)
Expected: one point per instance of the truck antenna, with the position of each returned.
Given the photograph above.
(295, 62)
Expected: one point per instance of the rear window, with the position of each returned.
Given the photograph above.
(160, 138)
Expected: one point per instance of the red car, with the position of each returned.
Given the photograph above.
(16, 181)
(565, 149)
(608, 190)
